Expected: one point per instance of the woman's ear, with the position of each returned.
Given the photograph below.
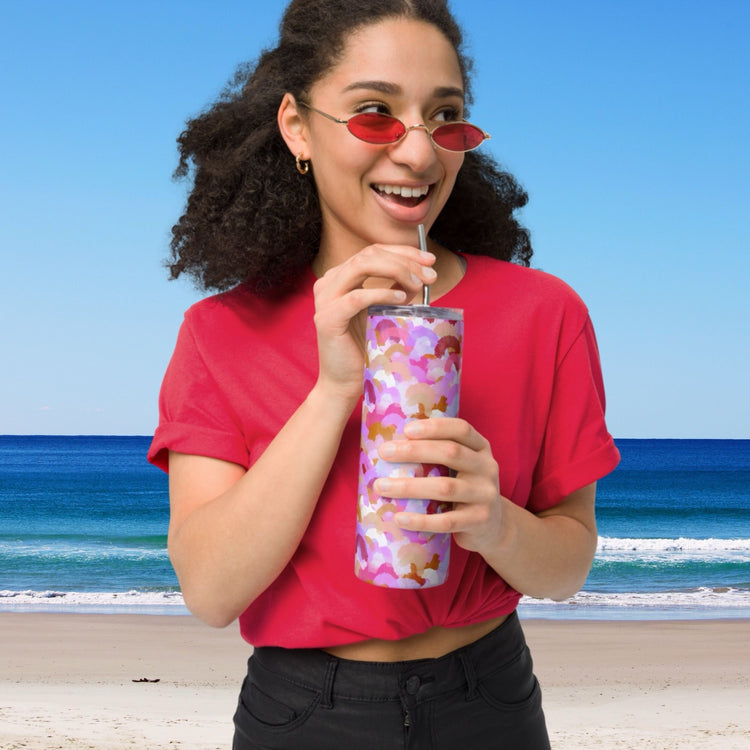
(293, 127)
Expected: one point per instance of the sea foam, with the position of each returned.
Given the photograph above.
(135, 602)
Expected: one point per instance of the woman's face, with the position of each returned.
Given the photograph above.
(400, 67)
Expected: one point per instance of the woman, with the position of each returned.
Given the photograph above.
(307, 213)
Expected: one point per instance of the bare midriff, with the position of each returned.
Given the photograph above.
(431, 644)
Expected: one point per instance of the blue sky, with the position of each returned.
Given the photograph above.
(626, 122)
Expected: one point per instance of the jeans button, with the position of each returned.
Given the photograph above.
(412, 685)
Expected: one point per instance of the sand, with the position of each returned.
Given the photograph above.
(66, 681)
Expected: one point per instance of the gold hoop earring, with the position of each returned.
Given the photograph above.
(303, 167)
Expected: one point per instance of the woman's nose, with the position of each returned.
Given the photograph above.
(415, 148)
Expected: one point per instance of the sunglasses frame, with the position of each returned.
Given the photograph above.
(429, 132)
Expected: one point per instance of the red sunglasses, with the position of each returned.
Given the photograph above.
(375, 127)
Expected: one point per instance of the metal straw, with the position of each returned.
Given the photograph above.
(423, 248)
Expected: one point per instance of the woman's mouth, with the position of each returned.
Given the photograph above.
(402, 194)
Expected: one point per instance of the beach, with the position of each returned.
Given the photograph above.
(89, 681)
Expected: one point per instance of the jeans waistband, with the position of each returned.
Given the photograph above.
(422, 678)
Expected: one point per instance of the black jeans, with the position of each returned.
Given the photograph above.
(481, 696)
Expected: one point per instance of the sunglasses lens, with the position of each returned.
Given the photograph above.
(458, 136)
(373, 127)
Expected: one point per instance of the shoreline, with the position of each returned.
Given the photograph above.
(74, 681)
(725, 603)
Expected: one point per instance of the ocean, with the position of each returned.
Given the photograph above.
(83, 525)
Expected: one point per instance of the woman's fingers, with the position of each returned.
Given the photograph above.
(336, 316)
(450, 441)
(377, 275)
(472, 487)
(463, 520)
(342, 293)
(405, 267)
(458, 489)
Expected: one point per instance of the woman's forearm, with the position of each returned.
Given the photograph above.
(547, 555)
(232, 531)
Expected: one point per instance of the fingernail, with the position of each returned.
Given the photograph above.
(400, 519)
(399, 295)
(382, 485)
(414, 428)
(387, 450)
(430, 274)
(416, 279)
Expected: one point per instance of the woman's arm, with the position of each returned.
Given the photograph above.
(232, 530)
(548, 555)
(544, 555)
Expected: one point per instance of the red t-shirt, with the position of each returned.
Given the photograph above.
(531, 384)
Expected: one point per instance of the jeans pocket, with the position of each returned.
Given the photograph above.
(512, 687)
(270, 704)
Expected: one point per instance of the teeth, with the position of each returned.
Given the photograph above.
(403, 191)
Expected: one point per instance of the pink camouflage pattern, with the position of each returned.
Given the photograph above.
(412, 371)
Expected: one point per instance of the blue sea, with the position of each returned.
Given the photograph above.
(83, 525)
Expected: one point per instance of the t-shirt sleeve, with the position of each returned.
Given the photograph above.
(577, 448)
(194, 415)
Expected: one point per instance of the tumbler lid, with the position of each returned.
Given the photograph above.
(417, 311)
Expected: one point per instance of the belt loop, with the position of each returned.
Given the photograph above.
(471, 675)
(327, 697)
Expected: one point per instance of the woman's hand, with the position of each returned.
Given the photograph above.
(476, 520)
(543, 555)
(377, 275)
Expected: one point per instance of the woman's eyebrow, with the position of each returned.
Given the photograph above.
(386, 87)
(444, 92)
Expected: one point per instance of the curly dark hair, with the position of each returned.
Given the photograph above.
(250, 217)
